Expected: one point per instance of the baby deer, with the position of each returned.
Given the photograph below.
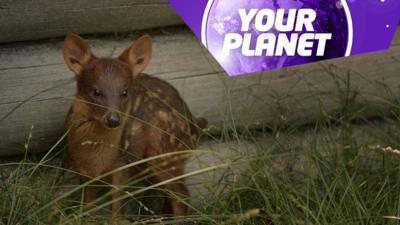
(120, 115)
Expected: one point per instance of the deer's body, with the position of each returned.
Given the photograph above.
(120, 116)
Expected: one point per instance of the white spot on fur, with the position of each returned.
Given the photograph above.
(126, 146)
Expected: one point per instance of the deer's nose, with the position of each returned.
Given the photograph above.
(113, 120)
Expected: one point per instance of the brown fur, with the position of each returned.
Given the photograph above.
(154, 120)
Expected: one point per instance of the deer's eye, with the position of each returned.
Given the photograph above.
(97, 93)
(124, 93)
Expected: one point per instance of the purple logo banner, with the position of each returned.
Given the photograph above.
(248, 36)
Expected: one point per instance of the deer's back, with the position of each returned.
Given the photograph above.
(161, 121)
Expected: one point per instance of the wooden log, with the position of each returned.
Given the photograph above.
(36, 88)
(30, 20)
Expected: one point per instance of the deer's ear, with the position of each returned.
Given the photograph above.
(138, 55)
(76, 53)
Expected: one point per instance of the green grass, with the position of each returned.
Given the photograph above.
(324, 174)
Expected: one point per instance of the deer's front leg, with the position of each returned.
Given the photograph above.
(89, 196)
(118, 180)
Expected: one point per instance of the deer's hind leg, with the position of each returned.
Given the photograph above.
(166, 171)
